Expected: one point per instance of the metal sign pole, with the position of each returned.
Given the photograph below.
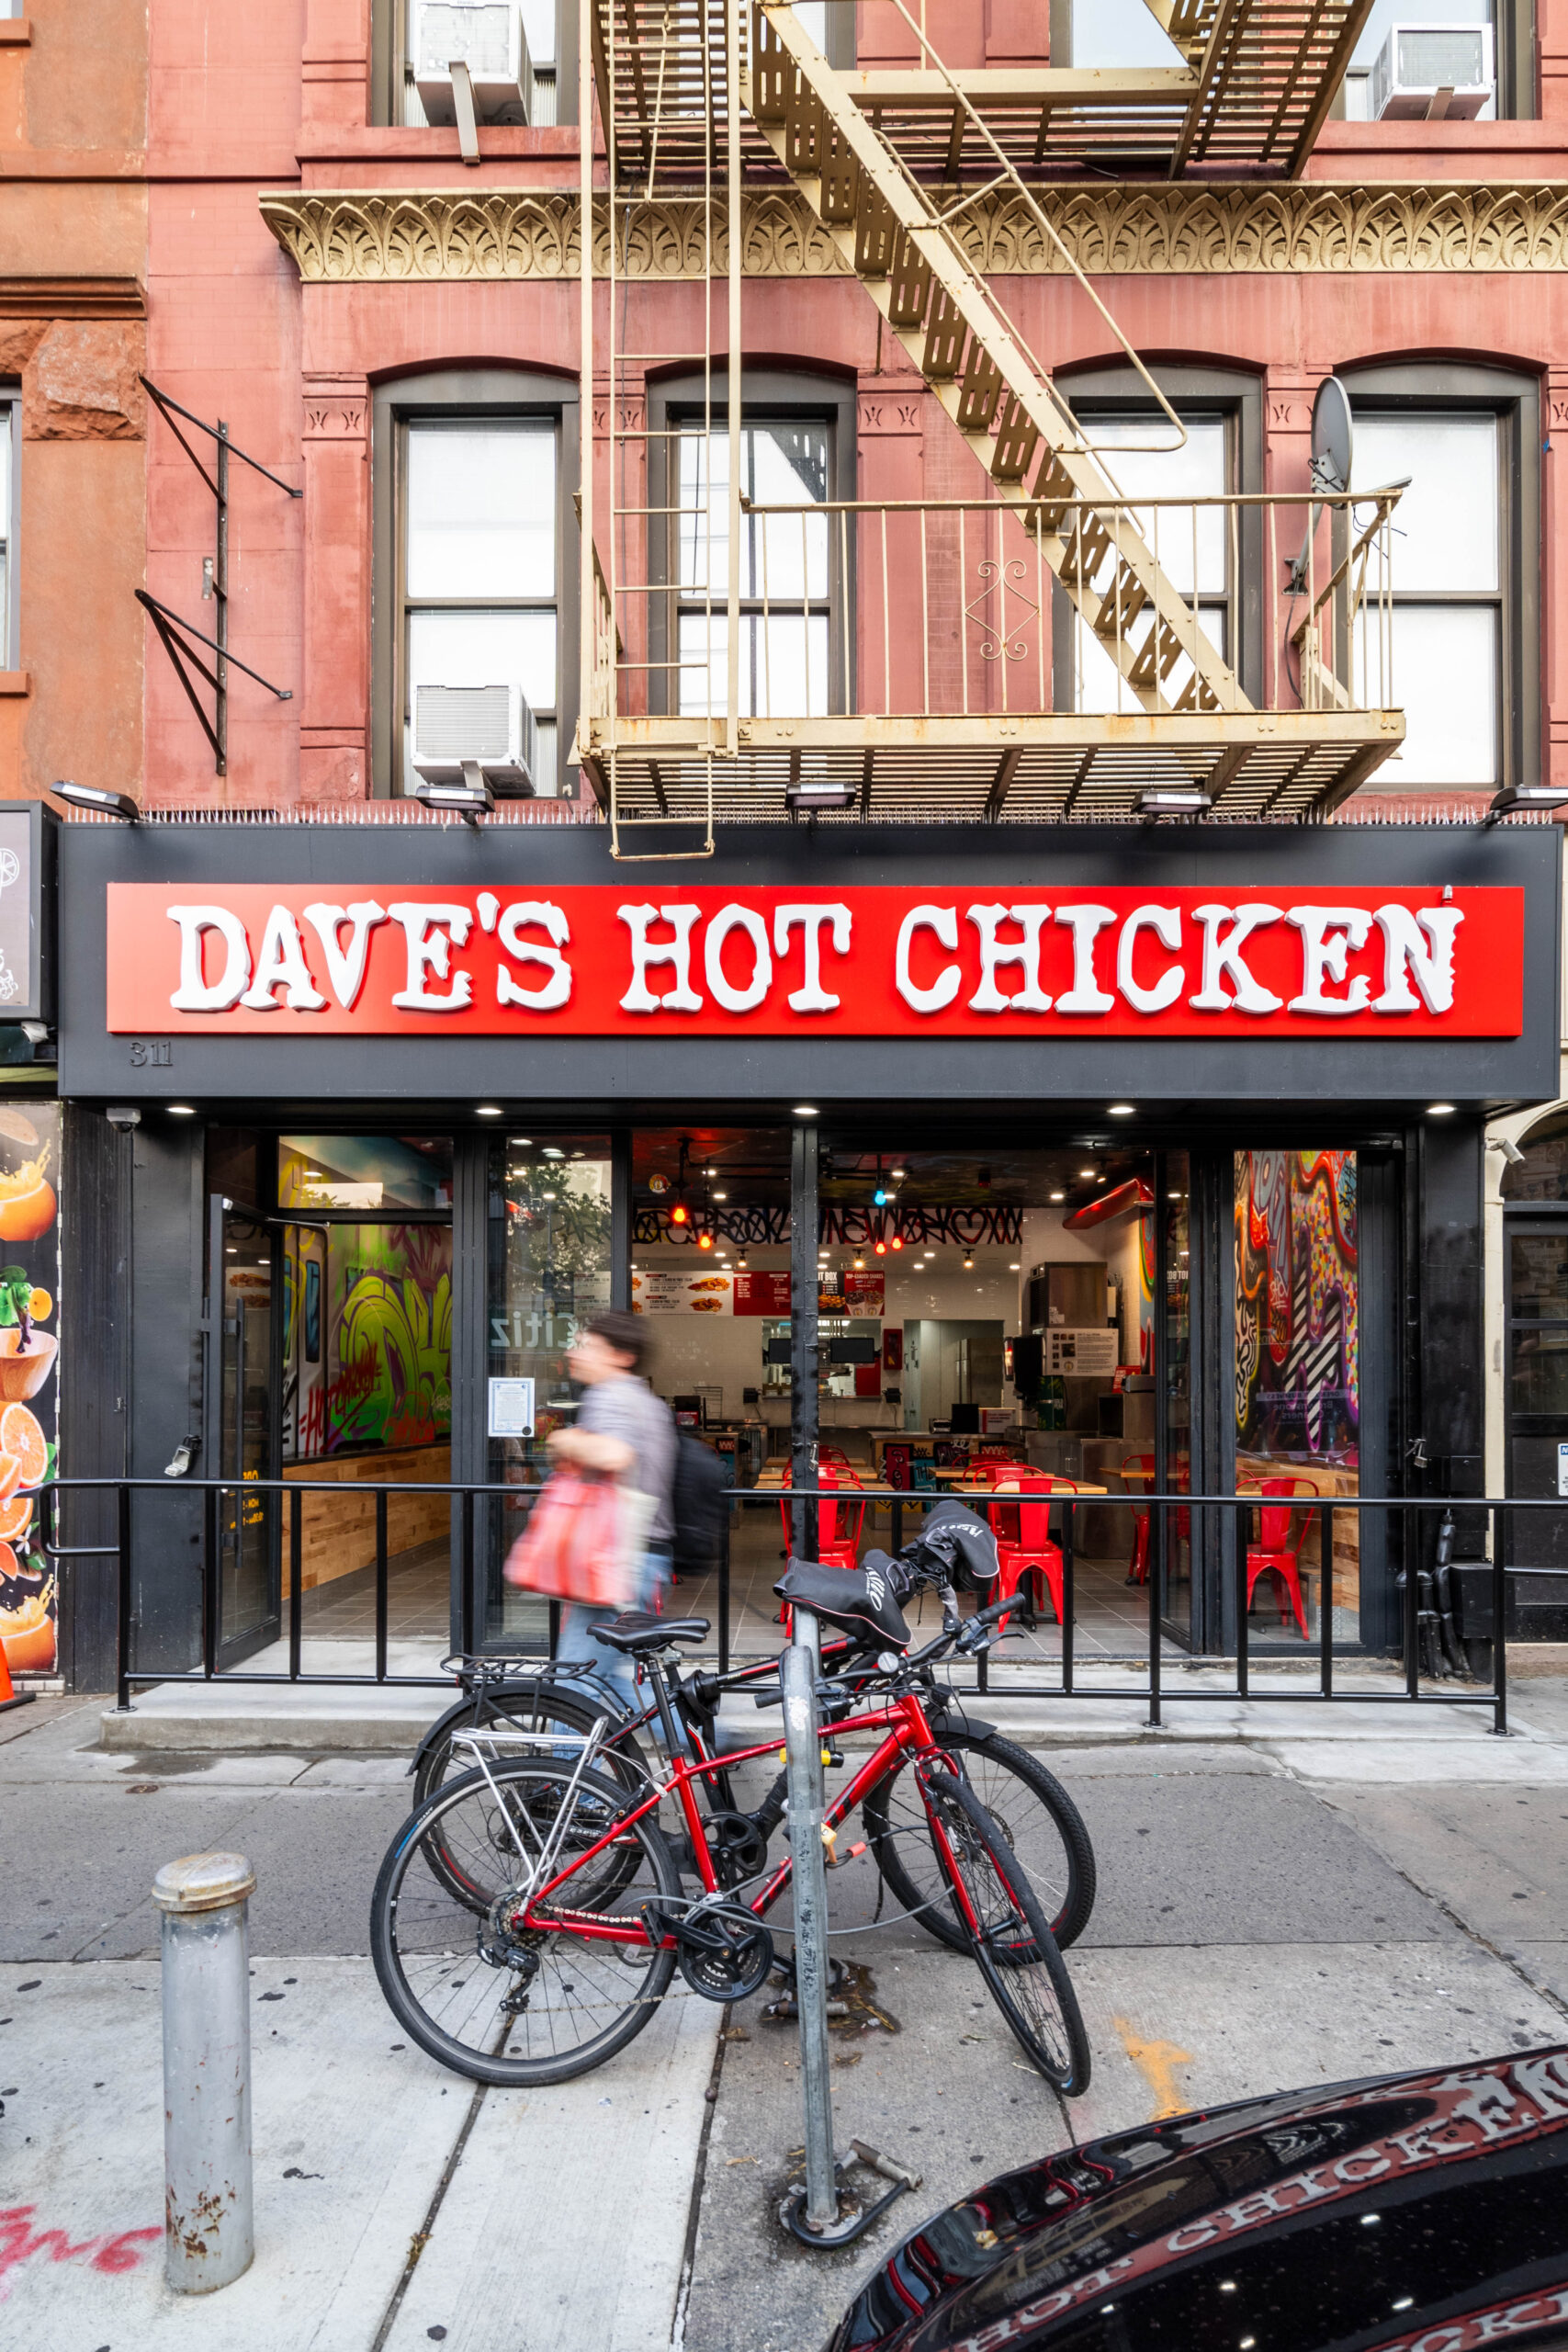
(809, 1884)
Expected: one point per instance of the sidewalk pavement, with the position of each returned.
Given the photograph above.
(1275, 1909)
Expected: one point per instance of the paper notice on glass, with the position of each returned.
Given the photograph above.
(511, 1409)
(1081, 1354)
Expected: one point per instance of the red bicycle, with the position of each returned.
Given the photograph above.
(529, 1917)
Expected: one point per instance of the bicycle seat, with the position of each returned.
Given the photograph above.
(861, 1600)
(636, 1633)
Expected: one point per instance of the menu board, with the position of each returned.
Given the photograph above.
(682, 1294)
(1092, 1352)
(761, 1294)
(859, 1295)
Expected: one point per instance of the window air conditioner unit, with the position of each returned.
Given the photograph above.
(1418, 63)
(486, 35)
(489, 729)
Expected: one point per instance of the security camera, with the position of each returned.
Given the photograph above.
(123, 1114)
(1509, 1149)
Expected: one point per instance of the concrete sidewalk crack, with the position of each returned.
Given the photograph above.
(421, 2236)
(699, 2183)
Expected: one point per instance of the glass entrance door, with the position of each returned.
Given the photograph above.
(243, 1420)
(1537, 1401)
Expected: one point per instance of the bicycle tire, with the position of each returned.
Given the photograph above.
(1051, 1840)
(421, 1937)
(530, 1705)
(1014, 1949)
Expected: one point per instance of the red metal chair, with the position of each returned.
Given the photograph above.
(838, 1524)
(1138, 1564)
(1276, 1554)
(1026, 1556)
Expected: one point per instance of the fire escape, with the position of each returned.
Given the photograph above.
(1055, 643)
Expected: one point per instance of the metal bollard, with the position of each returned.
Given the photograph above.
(209, 2219)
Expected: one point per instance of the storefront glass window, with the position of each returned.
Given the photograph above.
(1543, 1174)
(549, 1242)
(1297, 1386)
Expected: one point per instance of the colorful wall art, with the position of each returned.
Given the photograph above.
(366, 1339)
(1297, 1395)
(30, 1394)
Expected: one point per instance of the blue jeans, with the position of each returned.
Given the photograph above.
(613, 1666)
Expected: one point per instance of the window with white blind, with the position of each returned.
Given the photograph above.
(1448, 578)
(479, 585)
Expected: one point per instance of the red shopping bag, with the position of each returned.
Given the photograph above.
(584, 1540)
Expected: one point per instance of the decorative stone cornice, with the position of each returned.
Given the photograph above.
(367, 236)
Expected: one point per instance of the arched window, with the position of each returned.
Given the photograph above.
(1543, 1174)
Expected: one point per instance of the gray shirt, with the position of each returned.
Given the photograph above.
(626, 1408)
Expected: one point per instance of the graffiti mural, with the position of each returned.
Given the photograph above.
(367, 1337)
(1296, 1311)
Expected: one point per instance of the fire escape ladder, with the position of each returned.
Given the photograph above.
(889, 230)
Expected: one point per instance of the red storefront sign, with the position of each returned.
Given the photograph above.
(761, 1294)
(599, 961)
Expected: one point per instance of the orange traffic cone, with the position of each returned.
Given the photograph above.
(9, 1695)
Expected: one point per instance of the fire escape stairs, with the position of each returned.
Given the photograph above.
(901, 246)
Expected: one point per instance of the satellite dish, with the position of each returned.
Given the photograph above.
(1333, 436)
(1333, 448)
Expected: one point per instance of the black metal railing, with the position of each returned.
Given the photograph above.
(1411, 1531)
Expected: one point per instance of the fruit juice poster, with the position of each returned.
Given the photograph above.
(30, 1347)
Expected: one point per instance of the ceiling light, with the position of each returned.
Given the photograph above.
(521, 1143)
(549, 1196)
(710, 1172)
(897, 1242)
(968, 1265)
(554, 1151)
(721, 1196)
(897, 1174)
(1439, 1110)
(1086, 1171)
(1059, 1196)
(881, 1249)
(105, 803)
(879, 1198)
(860, 1265)
(1173, 1196)
(1123, 1110)
(1016, 1267)
(470, 801)
(741, 1261)
(180, 1109)
(705, 1241)
(680, 1214)
(805, 1111)
(487, 1111)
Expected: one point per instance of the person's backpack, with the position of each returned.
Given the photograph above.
(699, 1505)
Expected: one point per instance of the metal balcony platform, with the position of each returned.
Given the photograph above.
(1037, 768)
(1259, 79)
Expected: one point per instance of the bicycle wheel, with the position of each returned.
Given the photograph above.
(509, 2005)
(1034, 1813)
(1013, 1946)
(523, 1705)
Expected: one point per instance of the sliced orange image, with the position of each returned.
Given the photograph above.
(40, 1305)
(16, 1517)
(10, 1477)
(21, 1434)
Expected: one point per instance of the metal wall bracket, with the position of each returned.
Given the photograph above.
(180, 648)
